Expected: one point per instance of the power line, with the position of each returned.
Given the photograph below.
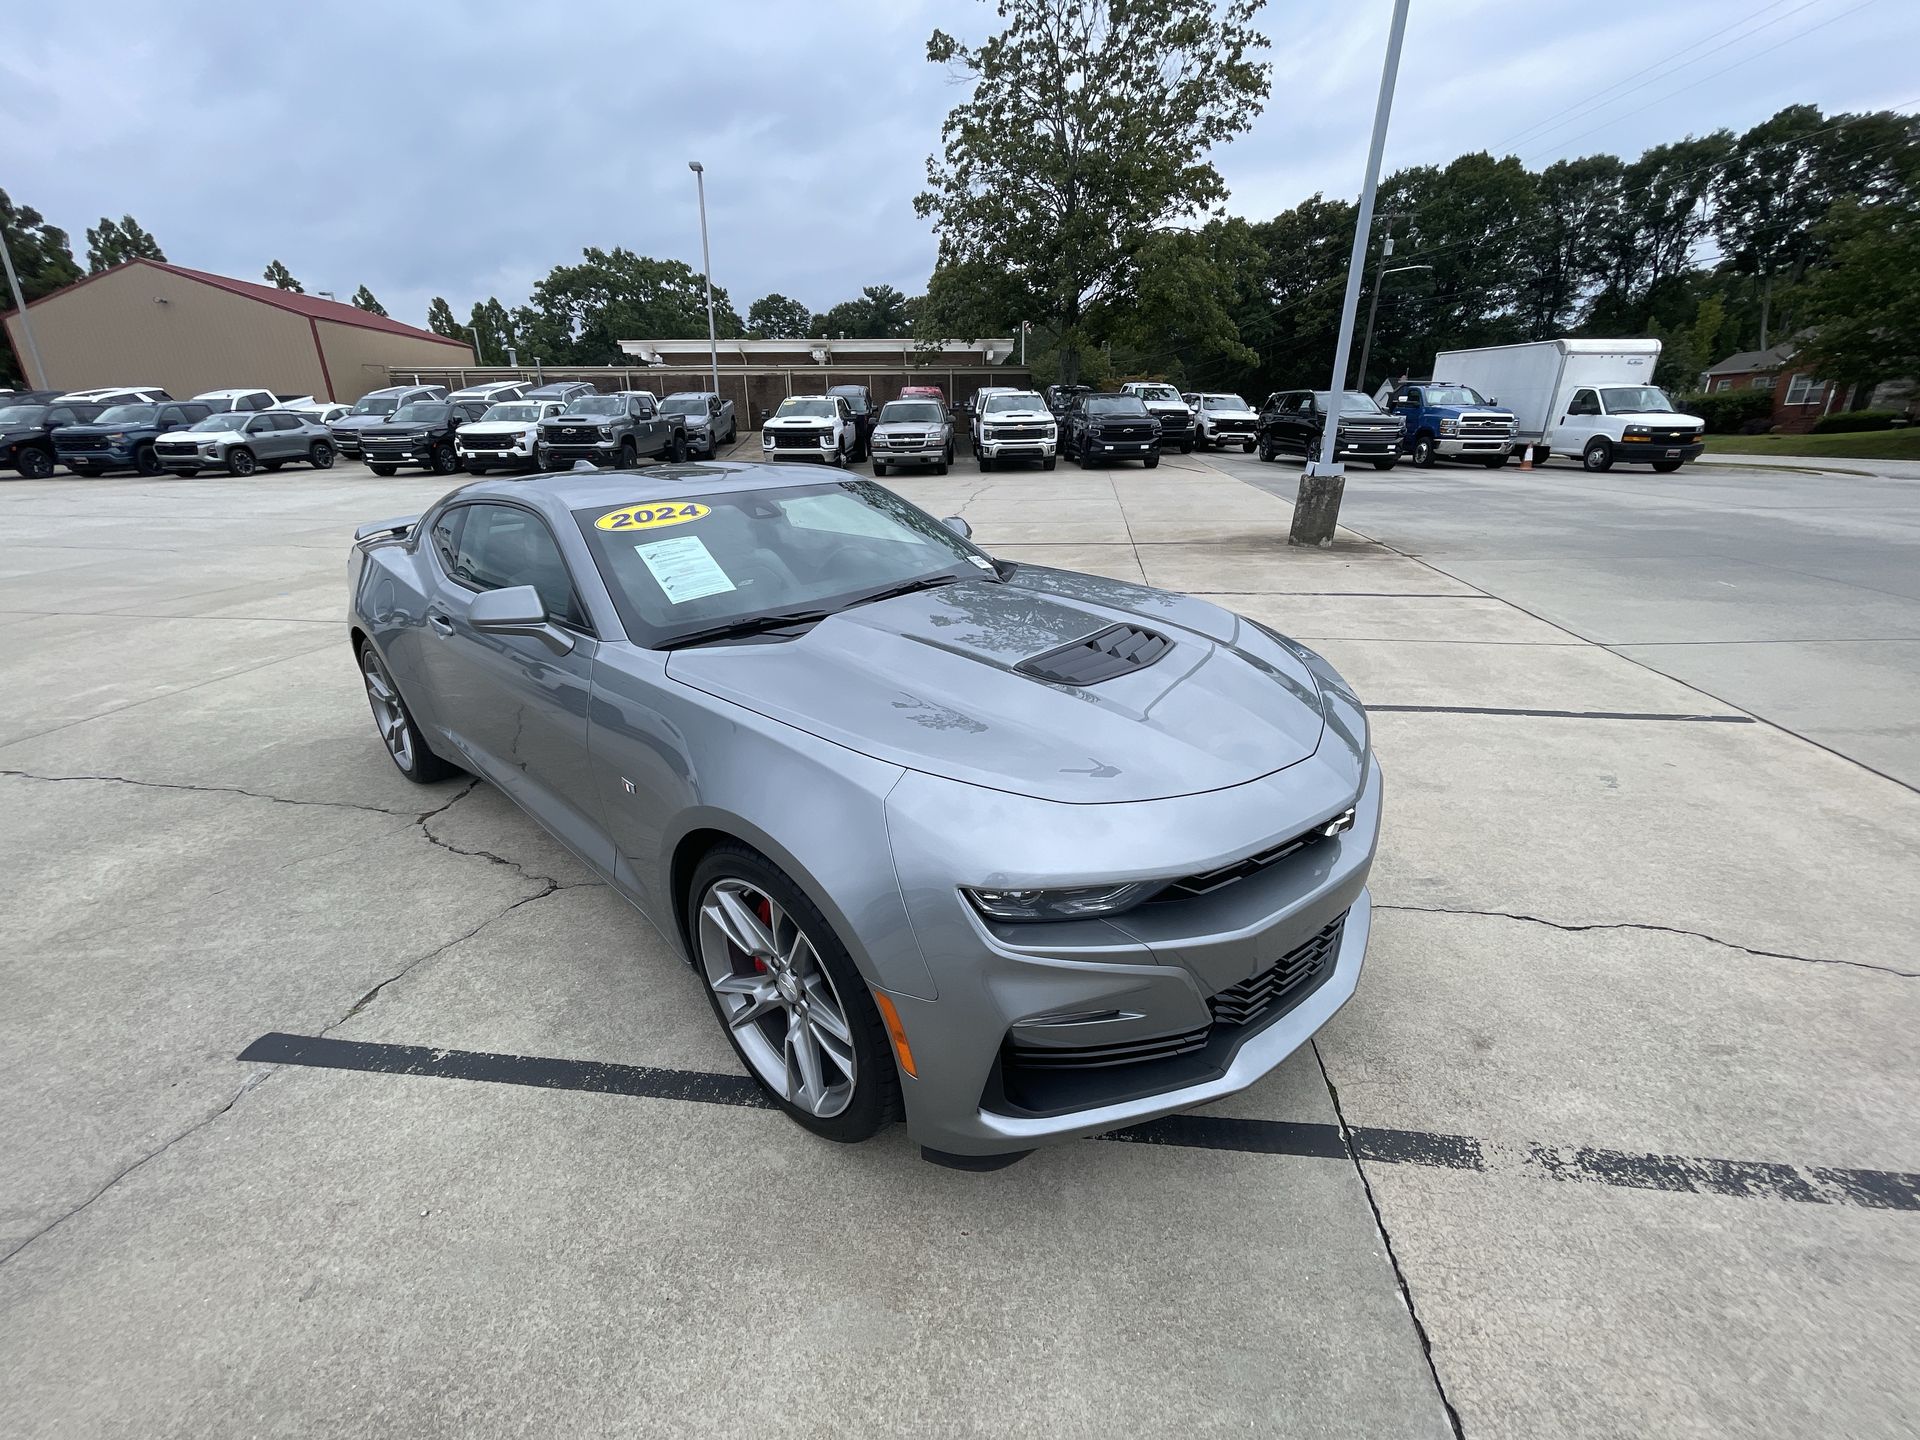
(1698, 80)
(1580, 107)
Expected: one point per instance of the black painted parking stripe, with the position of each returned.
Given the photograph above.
(1566, 714)
(1743, 1179)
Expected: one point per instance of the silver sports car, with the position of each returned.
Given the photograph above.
(1019, 853)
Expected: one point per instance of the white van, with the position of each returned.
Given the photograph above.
(1591, 400)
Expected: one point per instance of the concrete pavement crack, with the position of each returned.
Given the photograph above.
(1386, 1241)
(1658, 929)
(201, 789)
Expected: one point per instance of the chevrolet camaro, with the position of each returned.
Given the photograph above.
(1010, 852)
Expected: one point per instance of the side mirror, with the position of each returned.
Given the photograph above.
(517, 610)
(959, 527)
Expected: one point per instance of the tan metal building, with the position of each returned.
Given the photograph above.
(188, 331)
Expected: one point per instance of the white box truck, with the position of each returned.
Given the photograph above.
(1591, 400)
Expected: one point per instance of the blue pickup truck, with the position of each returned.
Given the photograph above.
(1454, 421)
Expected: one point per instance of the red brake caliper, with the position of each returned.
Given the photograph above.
(764, 909)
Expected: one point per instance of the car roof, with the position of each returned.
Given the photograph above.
(239, 390)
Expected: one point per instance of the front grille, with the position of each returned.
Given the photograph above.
(1487, 429)
(175, 447)
(1018, 432)
(1137, 430)
(80, 442)
(897, 442)
(1100, 1057)
(1673, 437)
(487, 442)
(797, 439)
(1116, 650)
(1251, 999)
(1232, 427)
(1175, 422)
(1207, 881)
(572, 435)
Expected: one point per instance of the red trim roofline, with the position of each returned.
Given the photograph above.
(313, 307)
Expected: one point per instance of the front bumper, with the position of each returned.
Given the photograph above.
(378, 454)
(1016, 449)
(603, 452)
(930, 453)
(1645, 452)
(1129, 986)
(481, 455)
(1122, 449)
(111, 457)
(346, 443)
(1473, 444)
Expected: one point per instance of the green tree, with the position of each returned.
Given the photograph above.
(1087, 131)
(580, 313)
(113, 243)
(1649, 235)
(775, 317)
(1864, 308)
(281, 278)
(494, 329)
(441, 320)
(43, 260)
(363, 300)
(1559, 258)
(1289, 310)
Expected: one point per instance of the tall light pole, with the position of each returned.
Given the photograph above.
(706, 262)
(1316, 511)
(481, 355)
(1373, 308)
(37, 375)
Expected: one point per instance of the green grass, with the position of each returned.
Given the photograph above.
(1861, 445)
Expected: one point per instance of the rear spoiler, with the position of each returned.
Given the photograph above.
(387, 529)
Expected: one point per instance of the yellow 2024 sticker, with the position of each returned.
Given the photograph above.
(650, 516)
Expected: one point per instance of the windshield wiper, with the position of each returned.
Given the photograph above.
(926, 582)
(751, 625)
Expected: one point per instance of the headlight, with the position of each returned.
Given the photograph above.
(606, 432)
(1449, 425)
(119, 435)
(1638, 432)
(827, 439)
(1051, 432)
(1085, 903)
(766, 442)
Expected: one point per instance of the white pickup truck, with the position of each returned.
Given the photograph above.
(1591, 400)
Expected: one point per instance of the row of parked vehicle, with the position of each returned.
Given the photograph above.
(137, 427)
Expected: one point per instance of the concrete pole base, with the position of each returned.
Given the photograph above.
(1316, 510)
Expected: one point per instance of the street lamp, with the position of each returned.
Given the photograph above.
(36, 373)
(1316, 512)
(1373, 308)
(481, 355)
(706, 262)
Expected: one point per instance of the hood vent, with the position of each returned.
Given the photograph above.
(1116, 650)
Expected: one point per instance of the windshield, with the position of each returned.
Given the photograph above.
(221, 420)
(421, 412)
(1454, 395)
(1635, 400)
(1115, 405)
(747, 554)
(1222, 402)
(912, 412)
(690, 404)
(598, 405)
(1023, 401)
(515, 411)
(811, 407)
(22, 414)
(129, 415)
(1351, 403)
(375, 405)
(1157, 392)
(856, 402)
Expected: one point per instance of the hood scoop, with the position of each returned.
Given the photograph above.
(1114, 651)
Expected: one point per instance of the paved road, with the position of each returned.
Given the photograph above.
(1792, 595)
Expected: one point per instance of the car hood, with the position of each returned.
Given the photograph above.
(396, 432)
(927, 681)
(105, 430)
(909, 427)
(1016, 417)
(1231, 414)
(498, 427)
(359, 422)
(1661, 418)
(798, 422)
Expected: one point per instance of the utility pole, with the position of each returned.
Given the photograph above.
(36, 373)
(478, 353)
(706, 262)
(1379, 283)
(1316, 511)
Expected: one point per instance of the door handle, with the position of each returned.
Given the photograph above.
(440, 623)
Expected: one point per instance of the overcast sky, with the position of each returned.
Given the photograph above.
(463, 150)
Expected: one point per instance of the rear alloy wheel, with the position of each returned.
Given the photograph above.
(441, 459)
(1424, 454)
(240, 461)
(788, 997)
(1598, 455)
(391, 717)
(321, 455)
(33, 463)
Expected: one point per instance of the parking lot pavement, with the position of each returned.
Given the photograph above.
(339, 1105)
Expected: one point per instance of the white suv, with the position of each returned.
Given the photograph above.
(506, 436)
(1223, 420)
(811, 427)
(1014, 425)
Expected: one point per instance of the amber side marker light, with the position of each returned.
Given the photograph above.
(902, 1051)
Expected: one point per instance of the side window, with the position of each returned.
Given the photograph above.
(260, 424)
(501, 546)
(446, 537)
(286, 422)
(1585, 402)
(171, 415)
(1411, 396)
(60, 416)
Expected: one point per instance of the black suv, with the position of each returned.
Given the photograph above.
(419, 433)
(121, 437)
(26, 432)
(1294, 420)
(865, 414)
(1098, 428)
(614, 430)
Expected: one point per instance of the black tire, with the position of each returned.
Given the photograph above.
(1494, 462)
(1186, 447)
(240, 462)
(33, 463)
(441, 460)
(985, 462)
(1047, 464)
(1153, 462)
(1386, 464)
(677, 448)
(629, 454)
(1598, 456)
(879, 468)
(320, 455)
(474, 467)
(1246, 447)
(189, 473)
(87, 470)
(1666, 467)
(145, 461)
(945, 461)
(270, 466)
(423, 767)
(383, 470)
(1266, 452)
(1425, 455)
(875, 1102)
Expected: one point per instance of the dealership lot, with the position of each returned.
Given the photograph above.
(1625, 1108)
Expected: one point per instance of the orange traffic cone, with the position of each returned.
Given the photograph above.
(1526, 458)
